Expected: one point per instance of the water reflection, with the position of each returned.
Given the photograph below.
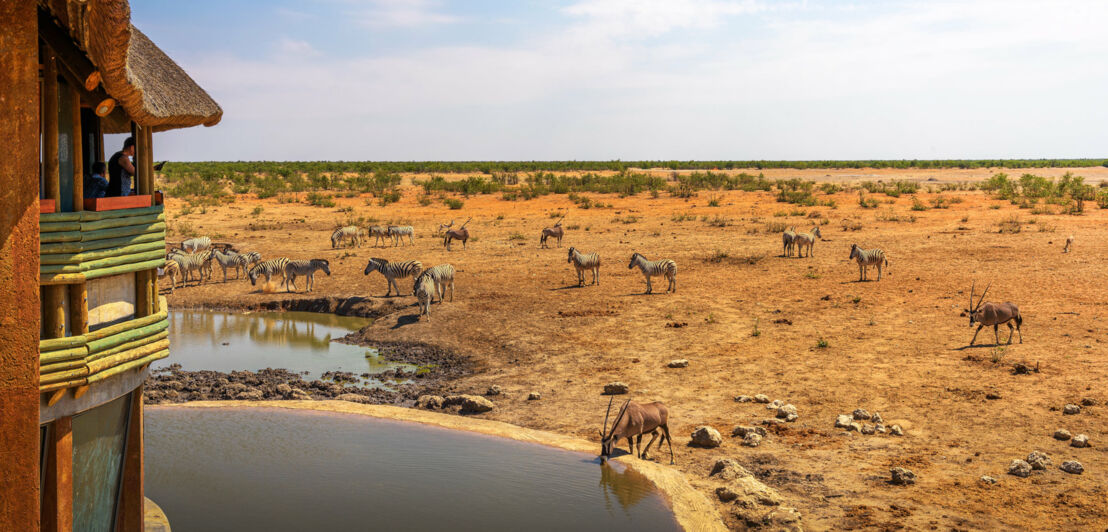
(298, 341)
(623, 483)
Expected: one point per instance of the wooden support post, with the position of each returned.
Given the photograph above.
(50, 166)
(78, 152)
(53, 311)
(57, 492)
(129, 517)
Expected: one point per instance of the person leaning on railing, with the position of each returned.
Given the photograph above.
(120, 170)
(95, 184)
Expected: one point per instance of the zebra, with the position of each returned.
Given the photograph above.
(867, 258)
(806, 240)
(424, 289)
(393, 271)
(187, 262)
(350, 232)
(171, 270)
(268, 268)
(228, 259)
(556, 232)
(655, 268)
(443, 277)
(307, 268)
(397, 232)
(584, 262)
(788, 241)
(378, 233)
(193, 245)
(248, 260)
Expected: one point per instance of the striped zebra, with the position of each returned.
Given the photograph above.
(443, 277)
(228, 259)
(189, 262)
(378, 233)
(806, 240)
(585, 262)
(268, 268)
(171, 270)
(393, 271)
(398, 232)
(306, 268)
(350, 232)
(655, 268)
(193, 245)
(867, 258)
(424, 289)
(788, 241)
(248, 260)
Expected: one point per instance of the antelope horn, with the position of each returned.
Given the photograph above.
(972, 286)
(979, 301)
(619, 416)
(605, 431)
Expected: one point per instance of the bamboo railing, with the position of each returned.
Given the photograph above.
(78, 246)
(79, 360)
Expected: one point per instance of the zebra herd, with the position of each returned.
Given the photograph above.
(792, 241)
(196, 256)
(354, 235)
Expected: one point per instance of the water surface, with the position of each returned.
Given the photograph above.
(278, 470)
(296, 341)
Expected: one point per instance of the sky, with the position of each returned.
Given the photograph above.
(638, 79)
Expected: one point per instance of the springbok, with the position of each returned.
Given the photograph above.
(460, 233)
(556, 232)
(633, 421)
(994, 314)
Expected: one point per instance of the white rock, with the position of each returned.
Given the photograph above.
(707, 437)
(842, 422)
(1073, 467)
(1080, 440)
(761, 398)
(1019, 468)
(860, 414)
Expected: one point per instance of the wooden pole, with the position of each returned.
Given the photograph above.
(78, 152)
(53, 311)
(131, 498)
(50, 126)
(57, 493)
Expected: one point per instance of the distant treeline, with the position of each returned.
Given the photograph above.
(490, 167)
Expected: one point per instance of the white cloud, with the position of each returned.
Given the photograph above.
(654, 17)
(297, 47)
(402, 14)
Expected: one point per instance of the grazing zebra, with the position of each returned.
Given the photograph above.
(171, 270)
(378, 233)
(788, 241)
(307, 268)
(443, 277)
(393, 271)
(248, 260)
(655, 268)
(343, 233)
(806, 240)
(556, 232)
(268, 268)
(585, 262)
(424, 289)
(1069, 242)
(200, 262)
(867, 258)
(228, 259)
(193, 245)
(398, 232)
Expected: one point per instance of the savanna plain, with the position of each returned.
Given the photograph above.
(750, 321)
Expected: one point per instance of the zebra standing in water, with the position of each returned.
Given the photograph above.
(655, 268)
(806, 240)
(443, 277)
(306, 268)
(378, 233)
(188, 262)
(268, 268)
(349, 232)
(193, 245)
(248, 260)
(788, 241)
(398, 232)
(171, 270)
(867, 258)
(424, 289)
(585, 262)
(228, 259)
(393, 271)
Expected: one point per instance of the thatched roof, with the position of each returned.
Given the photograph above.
(151, 88)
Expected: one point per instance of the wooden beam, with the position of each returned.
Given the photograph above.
(50, 126)
(57, 490)
(53, 311)
(78, 309)
(129, 517)
(78, 152)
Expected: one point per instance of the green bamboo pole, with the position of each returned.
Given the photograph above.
(55, 344)
(128, 366)
(126, 326)
(63, 376)
(126, 268)
(92, 216)
(127, 356)
(103, 263)
(53, 217)
(58, 227)
(117, 232)
(62, 355)
(64, 384)
(66, 236)
(61, 278)
(88, 256)
(128, 340)
(62, 366)
(81, 247)
(109, 223)
(128, 346)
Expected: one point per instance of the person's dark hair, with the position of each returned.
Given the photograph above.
(129, 142)
(98, 167)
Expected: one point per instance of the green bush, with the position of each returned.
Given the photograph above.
(453, 203)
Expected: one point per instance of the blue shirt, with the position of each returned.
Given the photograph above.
(95, 186)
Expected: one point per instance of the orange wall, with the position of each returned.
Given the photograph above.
(19, 290)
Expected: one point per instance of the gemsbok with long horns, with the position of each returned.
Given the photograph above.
(995, 314)
(557, 232)
(634, 420)
(460, 233)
